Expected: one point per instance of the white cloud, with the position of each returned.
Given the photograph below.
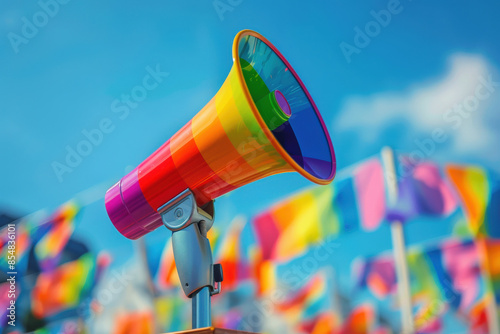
(472, 133)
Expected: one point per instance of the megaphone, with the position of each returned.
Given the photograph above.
(261, 122)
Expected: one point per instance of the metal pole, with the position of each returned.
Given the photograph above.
(399, 248)
(398, 245)
(201, 316)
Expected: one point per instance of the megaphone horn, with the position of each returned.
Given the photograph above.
(261, 122)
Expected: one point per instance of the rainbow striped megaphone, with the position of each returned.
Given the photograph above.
(261, 122)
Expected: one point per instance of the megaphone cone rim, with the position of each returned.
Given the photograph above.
(268, 133)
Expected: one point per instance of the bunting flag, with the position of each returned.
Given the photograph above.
(306, 305)
(449, 272)
(305, 219)
(326, 322)
(492, 263)
(369, 183)
(171, 312)
(462, 262)
(441, 276)
(478, 317)
(422, 193)
(103, 261)
(359, 201)
(237, 268)
(135, 322)
(62, 288)
(433, 327)
(229, 256)
(428, 318)
(361, 320)
(232, 319)
(62, 224)
(308, 300)
(479, 192)
(378, 274)
(266, 277)
(291, 226)
(381, 330)
(480, 198)
(167, 277)
(213, 235)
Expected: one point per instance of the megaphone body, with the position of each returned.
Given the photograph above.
(261, 122)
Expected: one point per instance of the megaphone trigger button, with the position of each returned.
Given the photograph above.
(218, 273)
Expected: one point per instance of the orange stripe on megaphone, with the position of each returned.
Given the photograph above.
(217, 149)
(159, 178)
(194, 170)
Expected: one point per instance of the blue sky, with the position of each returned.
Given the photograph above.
(64, 78)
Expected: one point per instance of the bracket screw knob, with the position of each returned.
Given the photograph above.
(178, 212)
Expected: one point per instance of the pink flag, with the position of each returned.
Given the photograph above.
(370, 192)
(424, 192)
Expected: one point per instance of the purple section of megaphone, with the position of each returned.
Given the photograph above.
(128, 209)
(283, 103)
